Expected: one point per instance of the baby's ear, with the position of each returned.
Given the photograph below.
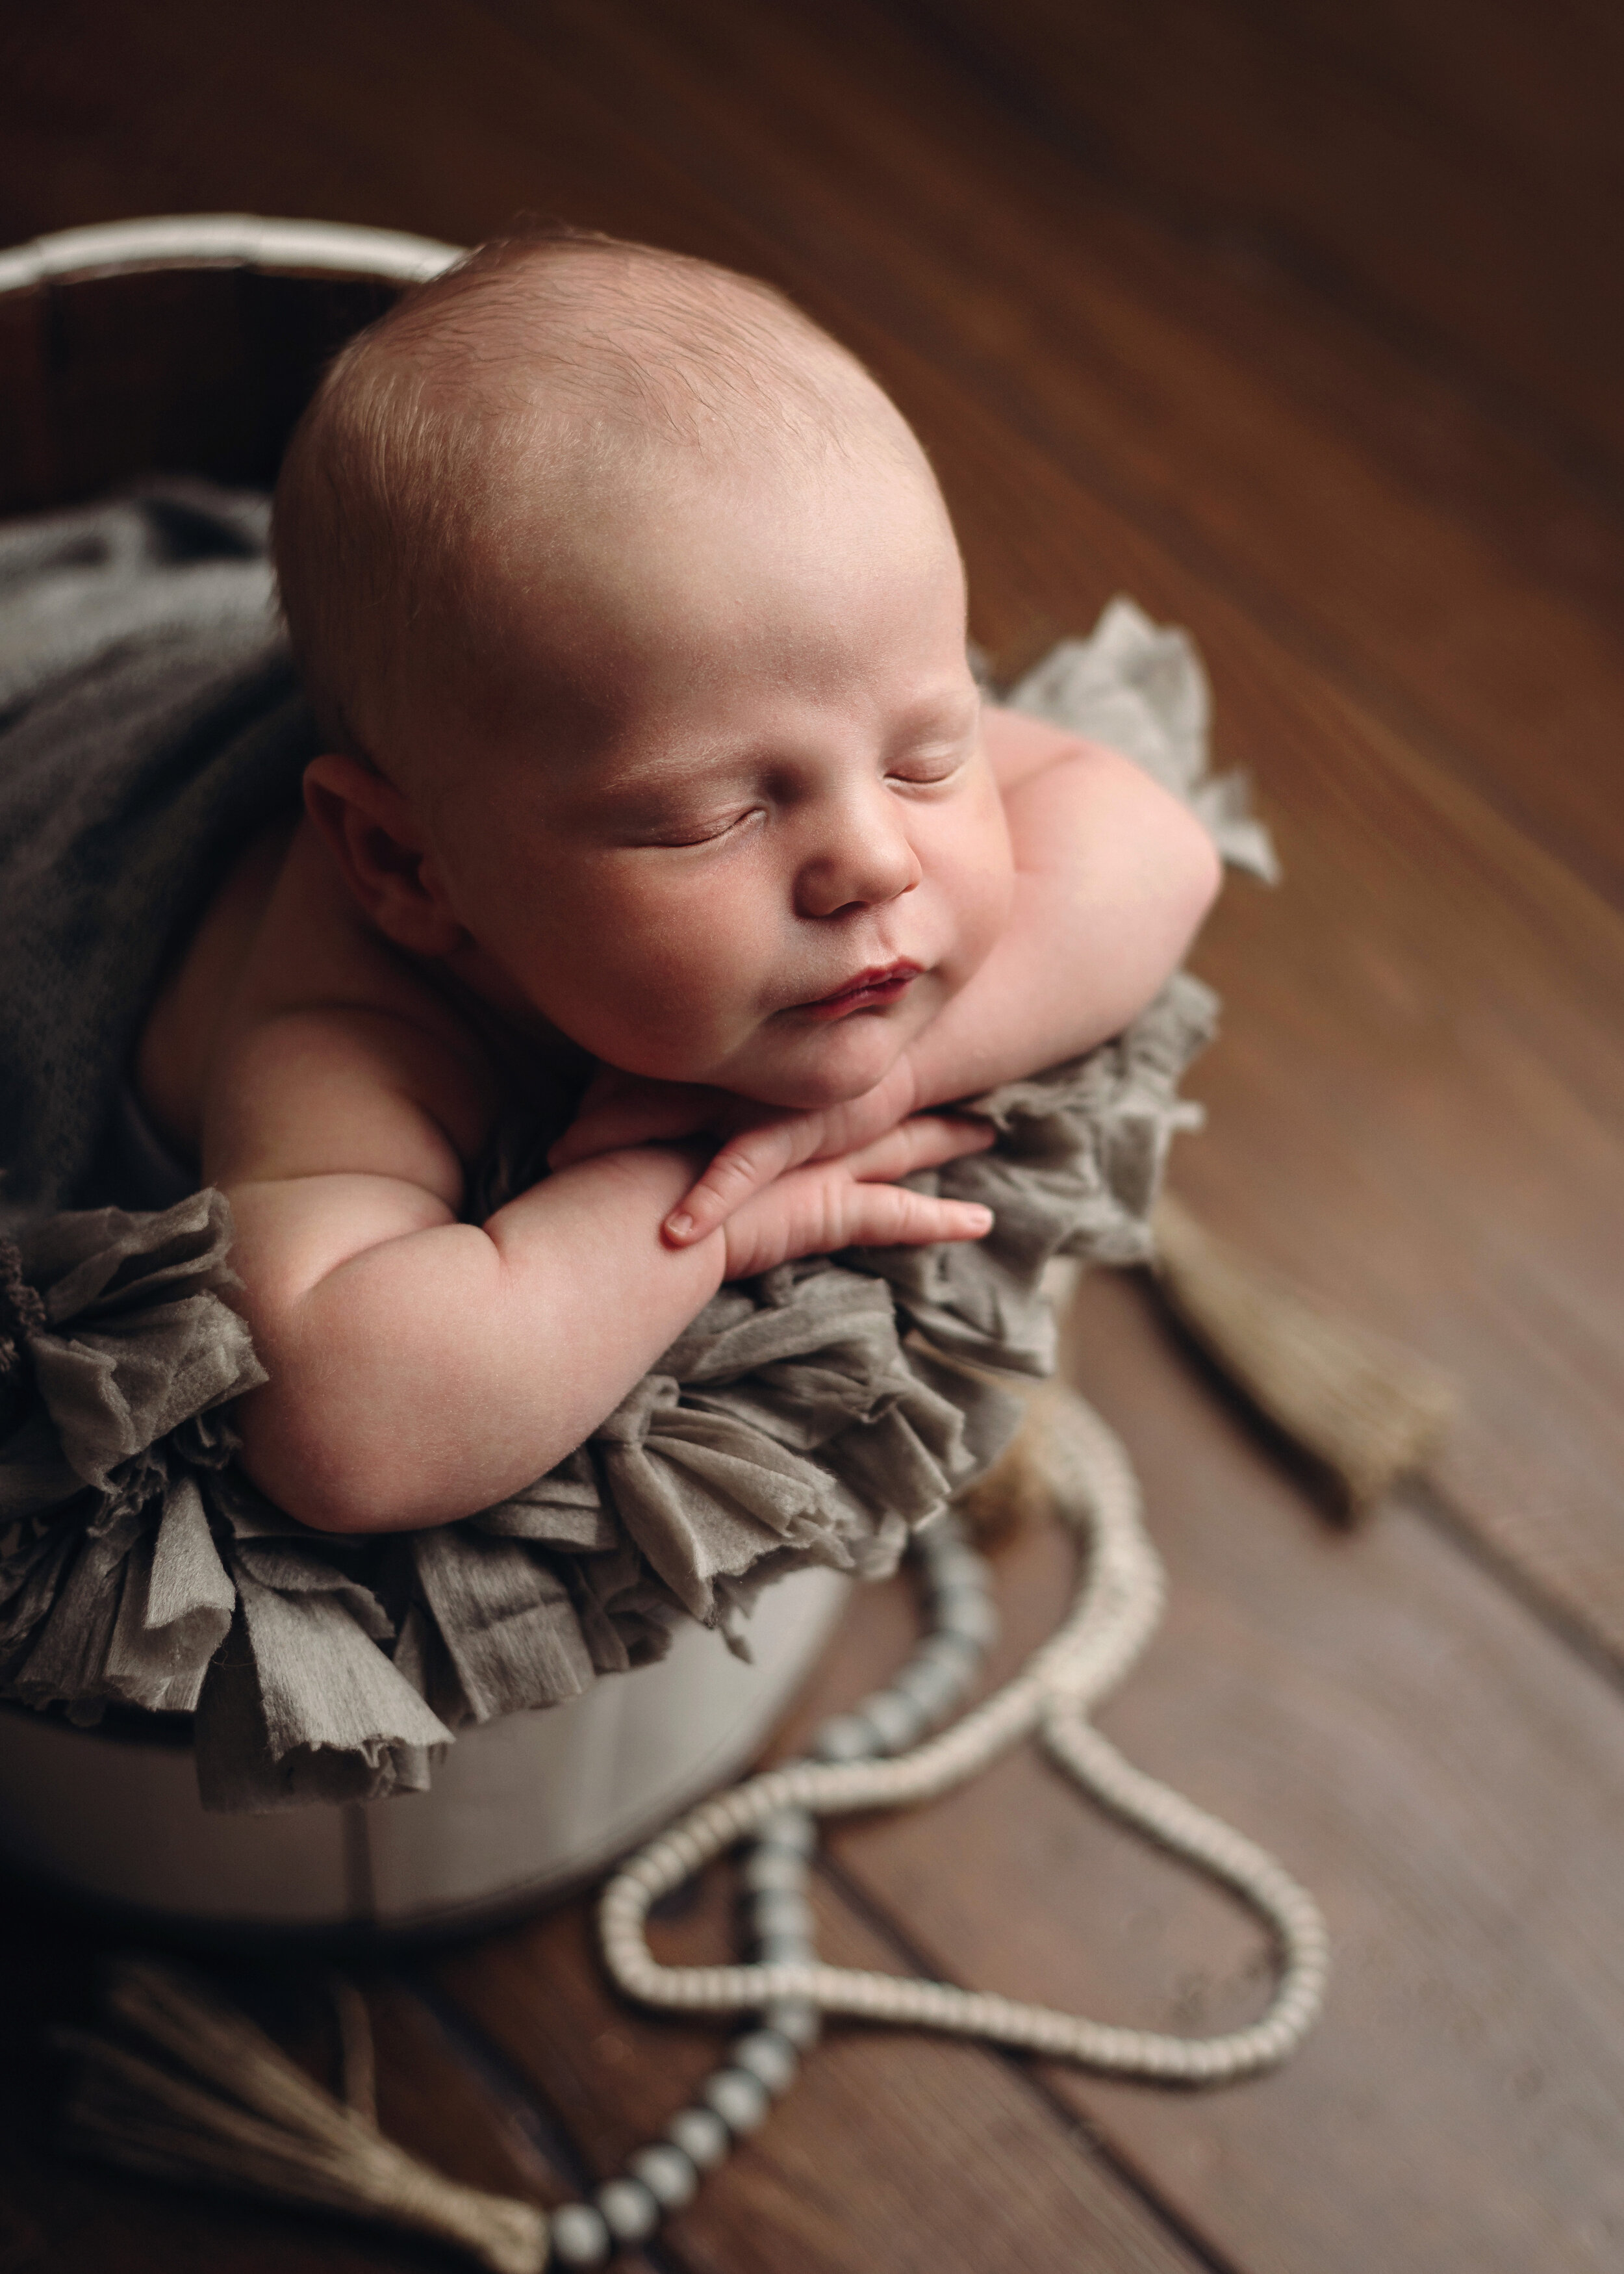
(384, 854)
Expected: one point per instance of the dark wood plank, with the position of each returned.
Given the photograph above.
(1445, 1779)
(1367, 149)
(889, 2153)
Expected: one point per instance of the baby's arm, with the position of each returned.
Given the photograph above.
(422, 1368)
(1113, 876)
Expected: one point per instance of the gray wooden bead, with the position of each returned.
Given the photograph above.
(847, 1737)
(629, 2209)
(780, 1911)
(956, 1567)
(795, 2018)
(578, 2236)
(767, 1868)
(738, 2098)
(971, 1615)
(792, 1829)
(935, 1687)
(783, 1949)
(895, 1718)
(702, 2135)
(668, 2175)
(955, 1651)
(769, 2058)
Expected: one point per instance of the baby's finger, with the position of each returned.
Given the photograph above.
(890, 1216)
(924, 1142)
(743, 1165)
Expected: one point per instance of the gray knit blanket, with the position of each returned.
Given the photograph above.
(148, 719)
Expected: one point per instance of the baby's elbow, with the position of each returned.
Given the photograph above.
(317, 1470)
(1200, 874)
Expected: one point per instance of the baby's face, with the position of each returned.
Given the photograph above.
(743, 830)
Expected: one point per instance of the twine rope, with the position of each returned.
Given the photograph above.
(1117, 1608)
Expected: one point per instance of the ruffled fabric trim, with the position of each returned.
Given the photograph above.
(813, 1415)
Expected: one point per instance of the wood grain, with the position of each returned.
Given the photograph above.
(889, 2153)
(1365, 148)
(1447, 1781)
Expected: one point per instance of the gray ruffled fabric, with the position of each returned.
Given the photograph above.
(149, 720)
(813, 1415)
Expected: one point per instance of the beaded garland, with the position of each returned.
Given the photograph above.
(881, 1754)
(961, 1626)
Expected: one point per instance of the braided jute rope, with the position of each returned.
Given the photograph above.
(1116, 1609)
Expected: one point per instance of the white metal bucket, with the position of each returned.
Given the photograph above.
(520, 1809)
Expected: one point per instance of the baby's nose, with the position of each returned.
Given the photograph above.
(861, 858)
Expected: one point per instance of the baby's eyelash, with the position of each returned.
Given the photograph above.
(923, 771)
(707, 833)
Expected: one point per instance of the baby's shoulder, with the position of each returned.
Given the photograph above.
(285, 996)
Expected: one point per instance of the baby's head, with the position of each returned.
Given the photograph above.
(632, 612)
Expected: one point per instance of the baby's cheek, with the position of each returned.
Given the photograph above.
(983, 900)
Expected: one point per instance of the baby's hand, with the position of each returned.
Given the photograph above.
(761, 1142)
(769, 1144)
(851, 1201)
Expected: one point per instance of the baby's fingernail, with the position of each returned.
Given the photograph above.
(679, 1226)
(980, 1217)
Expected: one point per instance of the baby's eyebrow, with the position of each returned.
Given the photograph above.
(656, 772)
(662, 769)
(947, 712)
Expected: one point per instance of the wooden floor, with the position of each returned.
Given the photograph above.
(1303, 326)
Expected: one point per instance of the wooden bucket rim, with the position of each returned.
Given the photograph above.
(223, 240)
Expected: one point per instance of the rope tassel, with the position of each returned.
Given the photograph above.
(201, 2096)
(1367, 1410)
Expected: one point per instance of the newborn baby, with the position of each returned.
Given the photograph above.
(657, 777)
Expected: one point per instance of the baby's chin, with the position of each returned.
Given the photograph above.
(838, 1066)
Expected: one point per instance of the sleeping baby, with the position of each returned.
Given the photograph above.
(657, 793)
